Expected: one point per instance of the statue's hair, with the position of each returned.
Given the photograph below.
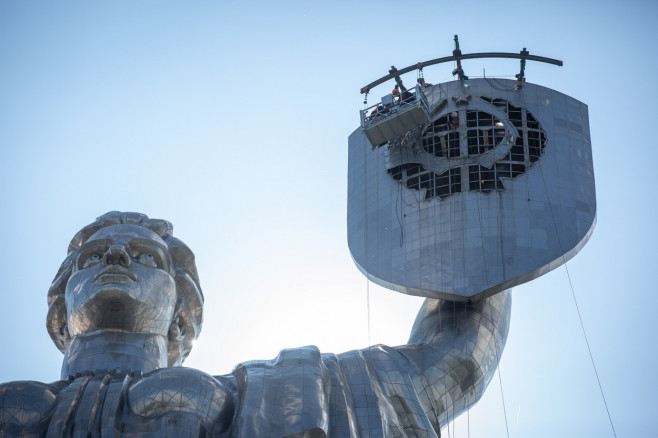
(189, 305)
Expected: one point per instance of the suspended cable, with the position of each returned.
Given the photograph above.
(453, 422)
(398, 208)
(365, 170)
(368, 307)
(573, 294)
(589, 350)
(484, 260)
(468, 419)
(580, 318)
(452, 407)
(502, 395)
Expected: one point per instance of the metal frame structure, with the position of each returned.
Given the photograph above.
(458, 56)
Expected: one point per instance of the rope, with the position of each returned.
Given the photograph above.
(573, 294)
(502, 396)
(580, 318)
(365, 171)
(589, 350)
(398, 205)
(479, 196)
(452, 407)
(582, 324)
(368, 307)
(468, 419)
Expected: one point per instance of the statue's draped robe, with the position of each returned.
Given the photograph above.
(363, 393)
(405, 391)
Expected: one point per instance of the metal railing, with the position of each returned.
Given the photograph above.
(391, 105)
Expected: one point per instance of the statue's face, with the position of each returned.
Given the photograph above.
(121, 281)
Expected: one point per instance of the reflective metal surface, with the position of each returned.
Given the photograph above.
(496, 191)
(126, 304)
(126, 273)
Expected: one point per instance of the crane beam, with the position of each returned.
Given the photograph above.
(524, 54)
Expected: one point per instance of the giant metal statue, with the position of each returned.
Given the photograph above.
(456, 192)
(126, 305)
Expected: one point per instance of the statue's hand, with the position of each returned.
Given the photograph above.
(439, 318)
(183, 390)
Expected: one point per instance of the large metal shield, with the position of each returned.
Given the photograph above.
(496, 190)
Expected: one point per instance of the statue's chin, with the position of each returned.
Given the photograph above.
(117, 310)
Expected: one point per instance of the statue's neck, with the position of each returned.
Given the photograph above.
(111, 350)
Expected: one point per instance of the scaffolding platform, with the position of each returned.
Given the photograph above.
(392, 117)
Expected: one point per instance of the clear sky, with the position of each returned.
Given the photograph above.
(231, 119)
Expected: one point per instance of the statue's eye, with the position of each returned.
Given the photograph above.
(92, 259)
(147, 259)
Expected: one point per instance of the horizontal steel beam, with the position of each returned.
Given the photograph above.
(460, 56)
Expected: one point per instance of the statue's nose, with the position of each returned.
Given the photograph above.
(116, 255)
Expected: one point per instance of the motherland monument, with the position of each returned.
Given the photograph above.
(456, 192)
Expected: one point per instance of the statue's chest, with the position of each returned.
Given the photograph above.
(170, 402)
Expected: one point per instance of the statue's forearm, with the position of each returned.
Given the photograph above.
(457, 346)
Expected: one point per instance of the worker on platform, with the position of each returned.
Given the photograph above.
(378, 111)
(422, 83)
(401, 93)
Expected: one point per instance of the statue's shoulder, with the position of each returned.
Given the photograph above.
(182, 390)
(27, 404)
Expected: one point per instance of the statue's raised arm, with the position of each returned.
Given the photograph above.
(457, 346)
(381, 391)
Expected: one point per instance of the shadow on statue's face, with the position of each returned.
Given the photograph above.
(121, 281)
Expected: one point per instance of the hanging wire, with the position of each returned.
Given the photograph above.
(454, 433)
(589, 350)
(454, 423)
(468, 419)
(368, 307)
(502, 395)
(573, 293)
(479, 197)
(365, 171)
(398, 208)
(580, 318)
(452, 406)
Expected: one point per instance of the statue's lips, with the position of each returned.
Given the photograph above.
(114, 274)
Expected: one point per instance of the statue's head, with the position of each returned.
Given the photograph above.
(127, 273)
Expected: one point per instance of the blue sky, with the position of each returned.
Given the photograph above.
(230, 119)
